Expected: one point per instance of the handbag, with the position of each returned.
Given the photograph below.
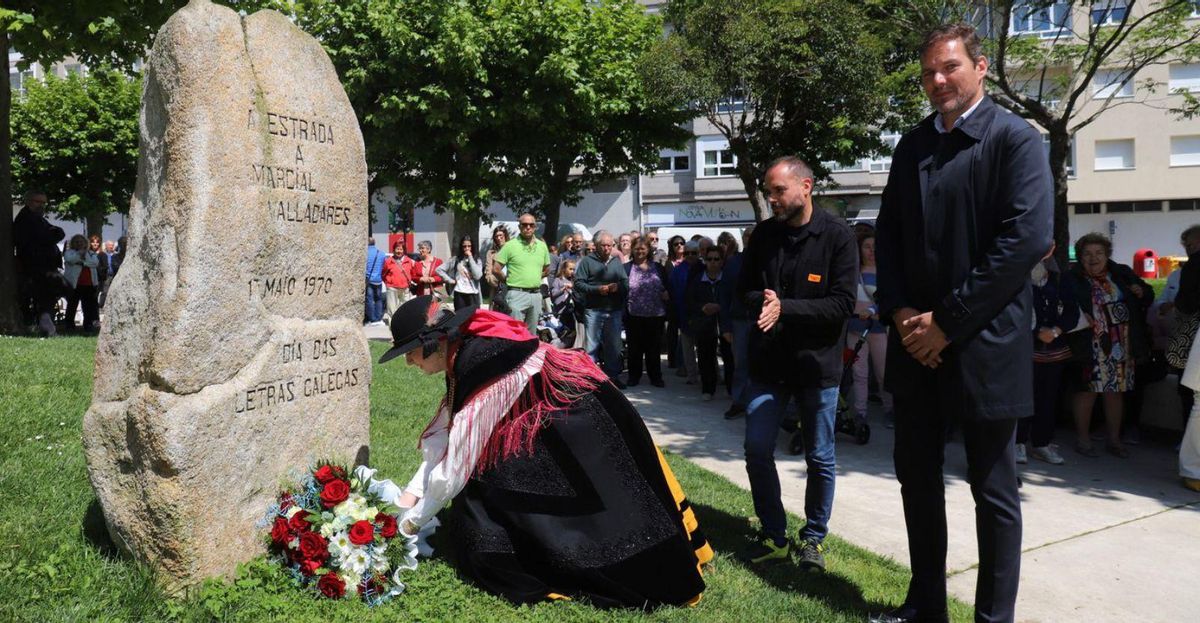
(1180, 342)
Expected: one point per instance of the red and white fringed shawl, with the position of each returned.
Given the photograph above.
(497, 422)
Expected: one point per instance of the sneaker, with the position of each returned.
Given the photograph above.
(1021, 458)
(1192, 483)
(707, 397)
(734, 412)
(658, 383)
(633, 382)
(809, 556)
(1048, 453)
(765, 551)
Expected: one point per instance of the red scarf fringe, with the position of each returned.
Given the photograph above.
(566, 377)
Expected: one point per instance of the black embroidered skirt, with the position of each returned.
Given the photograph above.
(587, 515)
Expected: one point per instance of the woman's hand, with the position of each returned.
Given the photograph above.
(408, 500)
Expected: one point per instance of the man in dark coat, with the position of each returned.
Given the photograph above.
(798, 281)
(966, 214)
(38, 261)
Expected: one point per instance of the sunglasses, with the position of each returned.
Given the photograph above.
(524, 225)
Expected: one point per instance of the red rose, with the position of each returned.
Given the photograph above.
(362, 532)
(334, 493)
(331, 586)
(327, 473)
(309, 567)
(387, 525)
(279, 531)
(313, 546)
(298, 523)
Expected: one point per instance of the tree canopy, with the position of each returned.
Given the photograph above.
(815, 78)
(521, 101)
(77, 139)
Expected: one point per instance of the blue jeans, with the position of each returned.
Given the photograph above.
(818, 412)
(741, 362)
(604, 339)
(374, 302)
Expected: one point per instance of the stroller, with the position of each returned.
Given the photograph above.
(846, 422)
(557, 323)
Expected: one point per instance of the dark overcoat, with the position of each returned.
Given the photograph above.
(964, 217)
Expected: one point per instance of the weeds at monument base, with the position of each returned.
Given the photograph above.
(336, 534)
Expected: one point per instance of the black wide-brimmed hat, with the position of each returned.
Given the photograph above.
(421, 322)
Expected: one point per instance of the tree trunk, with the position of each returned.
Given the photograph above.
(749, 176)
(10, 311)
(1060, 153)
(94, 224)
(550, 207)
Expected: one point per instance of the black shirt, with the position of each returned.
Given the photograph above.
(814, 271)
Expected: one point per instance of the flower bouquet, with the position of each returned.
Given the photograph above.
(337, 534)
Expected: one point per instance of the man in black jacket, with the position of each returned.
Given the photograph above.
(38, 261)
(965, 215)
(798, 279)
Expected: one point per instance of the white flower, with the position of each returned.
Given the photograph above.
(371, 513)
(357, 561)
(294, 543)
(292, 511)
(339, 543)
(327, 530)
(351, 579)
(379, 565)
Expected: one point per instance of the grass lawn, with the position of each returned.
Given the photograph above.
(56, 563)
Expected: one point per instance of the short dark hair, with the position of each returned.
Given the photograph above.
(1093, 238)
(955, 30)
(798, 166)
(1188, 233)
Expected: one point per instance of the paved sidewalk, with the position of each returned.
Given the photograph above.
(1105, 539)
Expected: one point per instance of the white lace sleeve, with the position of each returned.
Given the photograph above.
(433, 448)
(469, 433)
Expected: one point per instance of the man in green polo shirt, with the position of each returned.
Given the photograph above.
(522, 263)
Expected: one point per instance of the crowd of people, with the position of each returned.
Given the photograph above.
(967, 324)
(56, 282)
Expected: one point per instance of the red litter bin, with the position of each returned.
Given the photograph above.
(1145, 263)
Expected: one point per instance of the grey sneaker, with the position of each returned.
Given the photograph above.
(1048, 454)
(809, 556)
(1021, 458)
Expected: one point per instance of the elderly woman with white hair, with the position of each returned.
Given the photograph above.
(425, 277)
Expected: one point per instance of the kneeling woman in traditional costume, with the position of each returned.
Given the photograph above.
(558, 490)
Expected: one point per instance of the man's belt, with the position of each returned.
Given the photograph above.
(533, 290)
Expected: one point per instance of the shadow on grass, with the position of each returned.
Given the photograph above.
(95, 532)
(728, 533)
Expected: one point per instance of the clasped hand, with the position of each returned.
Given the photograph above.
(921, 336)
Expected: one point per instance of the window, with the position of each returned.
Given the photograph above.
(719, 162)
(883, 164)
(715, 157)
(1184, 77)
(1070, 153)
(1183, 204)
(1108, 12)
(1085, 208)
(1045, 21)
(1107, 82)
(74, 68)
(1133, 206)
(1185, 151)
(734, 102)
(1114, 155)
(837, 167)
(673, 161)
